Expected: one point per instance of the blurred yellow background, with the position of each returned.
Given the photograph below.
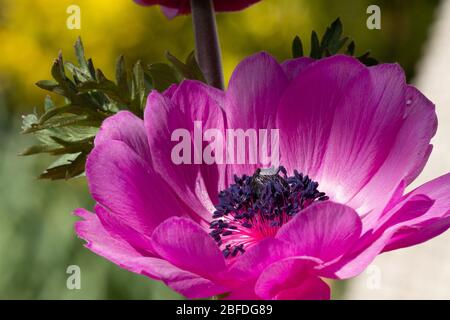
(37, 242)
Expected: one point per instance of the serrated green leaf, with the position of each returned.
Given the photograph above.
(81, 74)
(163, 76)
(367, 59)
(122, 78)
(332, 35)
(28, 121)
(90, 97)
(189, 70)
(138, 89)
(58, 122)
(191, 63)
(351, 49)
(48, 103)
(48, 85)
(69, 109)
(297, 47)
(79, 53)
(331, 43)
(66, 167)
(316, 52)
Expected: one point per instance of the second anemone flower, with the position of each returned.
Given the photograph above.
(352, 138)
(173, 8)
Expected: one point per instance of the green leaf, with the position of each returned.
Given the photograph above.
(316, 51)
(351, 49)
(139, 90)
(68, 109)
(331, 40)
(66, 167)
(191, 63)
(297, 47)
(368, 60)
(331, 43)
(48, 103)
(122, 78)
(79, 53)
(69, 130)
(163, 76)
(190, 69)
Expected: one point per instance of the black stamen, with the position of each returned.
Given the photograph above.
(266, 196)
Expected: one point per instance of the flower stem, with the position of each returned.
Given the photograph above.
(206, 42)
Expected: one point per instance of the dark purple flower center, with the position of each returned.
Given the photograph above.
(255, 207)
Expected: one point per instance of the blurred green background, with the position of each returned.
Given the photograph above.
(37, 242)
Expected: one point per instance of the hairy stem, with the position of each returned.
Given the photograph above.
(206, 42)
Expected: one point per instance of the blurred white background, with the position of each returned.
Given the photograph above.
(423, 271)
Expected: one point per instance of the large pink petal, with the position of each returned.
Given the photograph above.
(119, 229)
(311, 288)
(407, 156)
(249, 266)
(116, 249)
(324, 230)
(128, 128)
(432, 222)
(254, 91)
(192, 101)
(365, 125)
(307, 110)
(412, 235)
(377, 236)
(408, 209)
(292, 279)
(293, 67)
(121, 181)
(185, 244)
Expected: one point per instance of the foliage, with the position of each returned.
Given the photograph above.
(331, 43)
(69, 130)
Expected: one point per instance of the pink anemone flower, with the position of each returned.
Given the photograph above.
(352, 138)
(173, 8)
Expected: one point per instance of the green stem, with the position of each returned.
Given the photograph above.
(207, 47)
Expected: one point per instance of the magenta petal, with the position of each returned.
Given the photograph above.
(126, 127)
(407, 156)
(253, 94)
(114, 248)
(123, 182)
(311, 288)
(192, 101)
(250, 265)
(254, 91)
(121, 230)
(432, 222)
(364, 129)
(307, 109)
(294, 67)
(170, 13)
(291, 279)
(409, 236)
(415, 206)
(324, 230)
(185, 244)
(100, 241)
(245, 292)
(375, 239)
